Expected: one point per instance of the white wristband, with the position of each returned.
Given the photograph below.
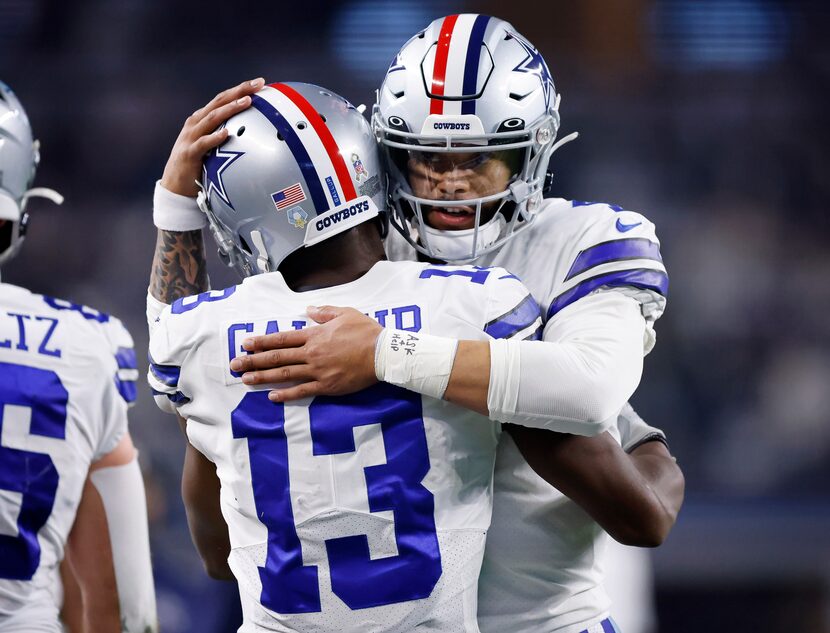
(173, 212)
(415, 361)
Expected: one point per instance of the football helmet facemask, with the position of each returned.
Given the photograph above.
(467, 116)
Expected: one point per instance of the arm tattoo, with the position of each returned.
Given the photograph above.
(179, 266)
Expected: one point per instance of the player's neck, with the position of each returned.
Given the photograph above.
(338, 260)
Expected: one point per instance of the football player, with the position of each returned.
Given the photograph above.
(70, 484)
(468, 117)
(358, 513)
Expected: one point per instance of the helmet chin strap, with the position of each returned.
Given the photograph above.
(458, 245)
(42, 192)
(262, 261)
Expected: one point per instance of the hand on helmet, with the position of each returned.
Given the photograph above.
(199, 135)
(334, 358)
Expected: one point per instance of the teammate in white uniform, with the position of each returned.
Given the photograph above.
(469, 115)
(69, 479)
(359, 513)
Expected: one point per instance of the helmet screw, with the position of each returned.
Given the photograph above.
(533, 203)
(543, 135)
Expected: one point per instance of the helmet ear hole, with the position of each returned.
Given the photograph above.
(244, 245)
(511, 125)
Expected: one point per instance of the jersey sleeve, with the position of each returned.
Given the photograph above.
(511, 311)
(166, 356)
(122, 348)
(610, 248)
(121, 390)
(634, 431)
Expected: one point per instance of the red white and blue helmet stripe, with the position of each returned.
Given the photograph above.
(327, 178)
(456, 65)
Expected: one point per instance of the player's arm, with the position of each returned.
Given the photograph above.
(179, 268)
(634, 494)
(200, 492)
(72, 609)
(588, 365)
(108, 548)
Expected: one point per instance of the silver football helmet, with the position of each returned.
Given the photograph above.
(19, 158)
(468, 116)
(299, 166)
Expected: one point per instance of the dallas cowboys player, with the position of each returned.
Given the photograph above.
(69, 478)
(468, 116)
(359, 513)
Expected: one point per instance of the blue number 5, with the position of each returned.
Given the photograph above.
(31, 474)
(287, 585)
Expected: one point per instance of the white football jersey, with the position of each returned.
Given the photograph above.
(575, 248)
(543, 567)
(67, 376)
(362, 513)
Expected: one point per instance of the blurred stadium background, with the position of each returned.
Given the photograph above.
(707, 115)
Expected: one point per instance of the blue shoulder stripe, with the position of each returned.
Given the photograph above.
(639, 278)
(176, 398)
(586, 203)
(614, 251)
(519, 318)
(168, 374)
(125, 357)
(128, 389)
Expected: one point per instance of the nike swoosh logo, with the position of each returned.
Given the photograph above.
(622, 228)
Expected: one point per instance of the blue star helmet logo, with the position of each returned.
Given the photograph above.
(214, 166)
(535, 64)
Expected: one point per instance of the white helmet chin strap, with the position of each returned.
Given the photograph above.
(42, 192)
(458, 245)
(17, 239)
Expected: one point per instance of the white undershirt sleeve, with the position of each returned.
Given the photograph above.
(581, 374)
(122, 492)
(154, 310)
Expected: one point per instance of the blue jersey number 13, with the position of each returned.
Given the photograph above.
(288, 586)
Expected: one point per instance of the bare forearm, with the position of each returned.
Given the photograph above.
(89, 554)
(664, 477)
(179, 266)
(600, 477)
(201, 495)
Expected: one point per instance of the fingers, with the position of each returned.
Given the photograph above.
(279, 375)
(228, 96)
(269, 359)
(324, 314)
(298, 392)
(218, 116)
(279, 340)
(206, 143)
